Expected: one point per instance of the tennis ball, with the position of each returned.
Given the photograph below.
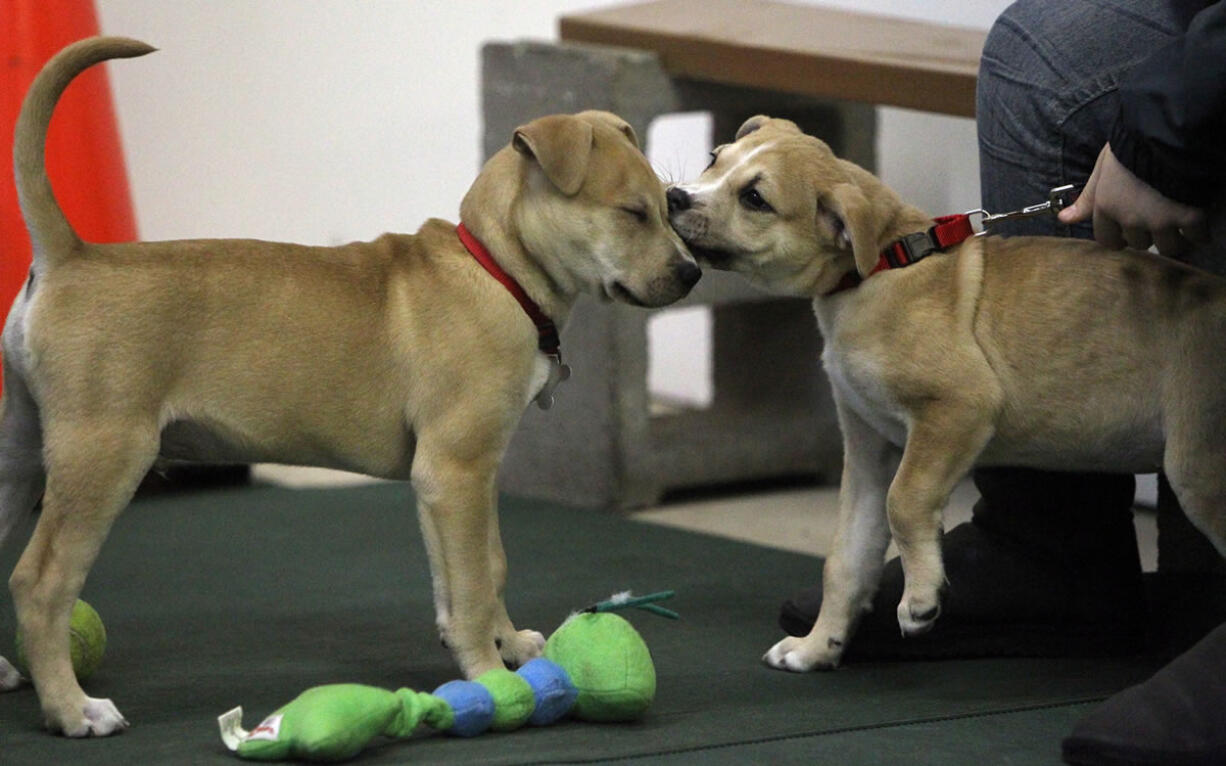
(86, 642)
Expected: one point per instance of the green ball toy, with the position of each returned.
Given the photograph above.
(608, 663)
(86, 642)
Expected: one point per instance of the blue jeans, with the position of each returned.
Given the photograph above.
(1047, 93)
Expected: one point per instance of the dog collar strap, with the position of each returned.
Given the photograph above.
(946, 231)
(547, 331)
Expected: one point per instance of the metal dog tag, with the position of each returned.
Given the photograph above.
(558, 372)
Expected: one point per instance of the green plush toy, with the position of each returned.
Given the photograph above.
(596, 667)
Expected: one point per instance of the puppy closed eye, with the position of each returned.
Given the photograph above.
(639, 213)
(753, 199)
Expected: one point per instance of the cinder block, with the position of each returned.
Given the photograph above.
(600, 446)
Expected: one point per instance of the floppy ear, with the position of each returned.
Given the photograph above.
(852, 217)
(750, 125)
(613, 121)
(561, 144)
(759, 121)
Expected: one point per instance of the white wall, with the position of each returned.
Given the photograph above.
(332, 120)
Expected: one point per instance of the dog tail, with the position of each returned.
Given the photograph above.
(51, 234)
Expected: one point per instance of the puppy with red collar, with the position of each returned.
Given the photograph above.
(403, 358)
(946, 352)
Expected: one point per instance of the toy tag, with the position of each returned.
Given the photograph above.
(231, 725)
(269, 730)
(558, 372)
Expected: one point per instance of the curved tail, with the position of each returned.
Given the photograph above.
(50, 232)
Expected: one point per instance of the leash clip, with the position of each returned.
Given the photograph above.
(1058, 198)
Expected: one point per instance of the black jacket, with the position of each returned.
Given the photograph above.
(1171, 130)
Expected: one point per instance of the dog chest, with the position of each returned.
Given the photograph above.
(858, 385)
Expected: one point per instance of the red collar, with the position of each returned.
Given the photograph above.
(546, 330)
(946, 231)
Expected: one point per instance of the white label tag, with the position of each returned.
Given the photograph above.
(270, 729)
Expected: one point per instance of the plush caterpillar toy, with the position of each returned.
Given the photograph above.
(596, 667)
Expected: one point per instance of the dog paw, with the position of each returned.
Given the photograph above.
(10, 679)
(517, 647)
(97, 718)
(799, 655)
(917, 616)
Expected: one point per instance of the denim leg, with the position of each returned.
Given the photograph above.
(1047, 94)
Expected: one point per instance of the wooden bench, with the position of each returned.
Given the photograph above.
(602, 446)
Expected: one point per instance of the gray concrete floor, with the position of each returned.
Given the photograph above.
(800, 520)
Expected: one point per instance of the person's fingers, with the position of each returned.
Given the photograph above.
(1107, 231)
(1170, 242)
(1137, 237)
(1083, 206)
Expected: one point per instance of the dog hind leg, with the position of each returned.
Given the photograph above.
(1195, 466)
(21, 471)
(93, 467)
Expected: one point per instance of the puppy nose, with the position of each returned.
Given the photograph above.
(678, 199)
(688, 273)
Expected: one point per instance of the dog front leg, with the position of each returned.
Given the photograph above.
(515, 646)
(942, 446)
(455, 497)
(853, 568)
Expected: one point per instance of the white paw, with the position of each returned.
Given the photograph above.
(521, 646)
(10, 679)
(99, 718)
(798, 655)
(917, 616)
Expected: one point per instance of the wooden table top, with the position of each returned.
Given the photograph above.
(813, 50)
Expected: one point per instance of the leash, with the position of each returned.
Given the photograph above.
(548, 340)
(950, 230)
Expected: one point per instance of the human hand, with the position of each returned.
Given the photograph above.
(1128, 211)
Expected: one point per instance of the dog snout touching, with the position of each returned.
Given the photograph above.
(688, 273)
(678, 199)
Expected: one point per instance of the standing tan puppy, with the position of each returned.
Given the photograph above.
(1031, 351)
(402, 358)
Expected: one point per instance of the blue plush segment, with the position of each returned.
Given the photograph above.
(473, 706)
(555, 693)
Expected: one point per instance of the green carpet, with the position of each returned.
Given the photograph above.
(249, 596)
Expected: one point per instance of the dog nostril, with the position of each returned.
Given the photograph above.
(678, 199)
(688, 273)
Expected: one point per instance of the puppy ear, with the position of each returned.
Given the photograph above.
(628, 131)
(613, 121)
(760, 121)
(561, 144)
(750, 125)
(849, 213)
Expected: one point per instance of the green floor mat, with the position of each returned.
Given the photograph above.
(249, 596)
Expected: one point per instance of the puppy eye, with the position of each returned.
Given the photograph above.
(714, 156)
(639, 213)
(753, 199)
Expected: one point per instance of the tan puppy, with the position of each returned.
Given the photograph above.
(1031, 351)
(400, 358)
